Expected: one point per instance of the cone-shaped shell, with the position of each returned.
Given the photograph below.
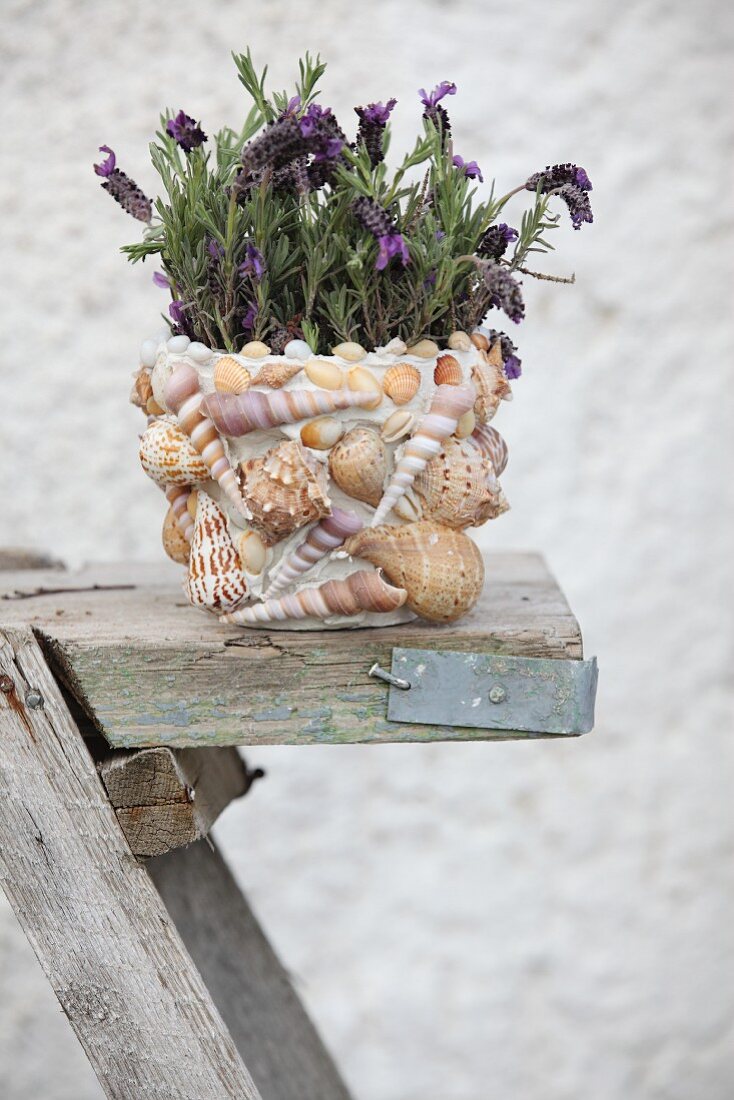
(361, 591)
(448, 372)
(458, 487)
(230, 376)
(441, 569)
(491, 384)
(326, 536)
(248, 412)
(491, 444)
(285, 489)
(276, 373)
(322, 433)
(401, 382)
(169, 457)
(215, 579)
(448, 405)
(175, 543)
(358, 465)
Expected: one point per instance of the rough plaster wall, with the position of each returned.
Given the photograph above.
(527, 921)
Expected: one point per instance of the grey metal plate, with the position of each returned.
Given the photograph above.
(531, 694)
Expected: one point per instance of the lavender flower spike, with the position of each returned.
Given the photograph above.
(572, 184)
(372, 122)
(433, 109)
(495, 241)
(504, 290)
(185, 132)
(122, 188)
(470, 168)
(254, 263)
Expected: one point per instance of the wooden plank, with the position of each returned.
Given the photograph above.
(165, 798)
(150, 670)
(99, 929)
(267, 1021)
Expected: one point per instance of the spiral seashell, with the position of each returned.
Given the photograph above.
(322, 433)
(175, 544)
(252, 551)
(361, 380)
(169, 457)
(458, 487)
(480, 341)
(183, 396)
(276, 373)
(491, 443)
(448, 405)
(326, 375)
(460, 341)
(285, 489)
(492, 386)
(465, 424)
(326, 536)
(178, 497)
(424, 349)
(448, 371)
(350, 351)
(248, 412)
(215, 579)
(358, 465)
(360, 591)
(142, 389)
(401, 383)
(255, 349)
(440, 569)
(230, 376)
(191, 503)
(397, 425)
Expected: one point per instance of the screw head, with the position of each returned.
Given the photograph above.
(497, 694)
(33, 698)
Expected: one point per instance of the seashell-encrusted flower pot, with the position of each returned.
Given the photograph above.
(309, 491)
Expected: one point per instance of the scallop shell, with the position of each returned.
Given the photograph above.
(169, 457)
(175, 543)
(255, 349)
(322, 433)
(285, 489)
(252, 551)
(215, 579)
(480, 341)
(458, 487)
(350, 351)
(358, 465)
(178, 496)
(276, 373)
(448, 371)
(460, 341)
(361, 591)
(441, 569)
(230, 376)
(491, 444)
(326, 375)
(142, 389)
(492, 386)
(424, 349)
(361, 380)
(236, 415)
(397, 425)
(401, 383)
(326, 536)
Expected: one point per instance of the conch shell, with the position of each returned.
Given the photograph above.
(183, 397)
(362, 591)
(178, 497)
(448, 405)
(215, 579)
(358, 465)
(320, 541)
(169, 457)
(492, 387)
(285, 489)
(230, 376)
(401, 382)
(440, 569)
(276, 373)
(175, 544)
(247, 412)
(458, 487)
(491, 443)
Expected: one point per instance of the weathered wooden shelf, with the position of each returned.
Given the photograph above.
(148, 670)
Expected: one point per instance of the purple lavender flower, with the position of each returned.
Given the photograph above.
(378, 222)
(122, 188)
(435, 112)
(215, 250)
(578, 204)
(512, 367)
(511, 364)
(470, 168)
(182, 325)
(446, 87)
(504, 290)
(253, 264)
(278, 144)
(495, 241)
(294, 106)
(372, 122)
(390, 245)
(249, 317)
(185, 131)
(161, 280)
(572, 184)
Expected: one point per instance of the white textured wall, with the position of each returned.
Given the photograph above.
(534, 921)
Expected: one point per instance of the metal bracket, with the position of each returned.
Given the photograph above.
(489, 691)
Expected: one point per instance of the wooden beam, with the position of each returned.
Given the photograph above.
(267, 1021)
(99, 928)
(166, 798)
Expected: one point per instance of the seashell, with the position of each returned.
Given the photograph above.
(297, 349)
(492, 386)
(215, 579)
(178, 496)
(458, 487)
(255, 349)
(183, 396)
(350, 351)
(142, 389)
(326, 536)
(169, 457)
(153, 408)
(230, 376)
(492, 445)
(175, 543)
(401, 383)
(200, 353)
(191, 503)
(327, 375)
(479, 340)
(276, 373)
(424, 349)
(252, 551)
(465, 425)
(409, 507)
(148, 353)
(361, 380)
(448, 371)
(441, 570)
(285, 489)
(238, 414)
(360, 591)
(448, 405)
(178, 344)
(396, 346)
(358, 465)
(460, 341)
(397, 425)
(322, 433)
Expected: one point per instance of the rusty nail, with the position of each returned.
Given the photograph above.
(33, 698)
(6, 684)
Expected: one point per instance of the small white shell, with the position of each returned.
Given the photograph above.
(397, 425)
(252, 552)
(297, 349)
(424, 349)
(395, 347)
(148, 353)
(178, 343)
(460, 341)
(324, 374)
(361, 380)
(466, 424)
(200, 353)
(350, 351)
(255, 350)
(322, 433)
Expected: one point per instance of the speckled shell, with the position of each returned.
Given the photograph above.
(361, 591)
(175, 543)
(401, 383)
(358, 465)
(448, 371)
(441, 569)
(493, 445)
(285, 489)
(230, 376)
(169, 457)
(325, 536)
(491, 384)
(276, 373)
(458, 487)
(215, 579)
